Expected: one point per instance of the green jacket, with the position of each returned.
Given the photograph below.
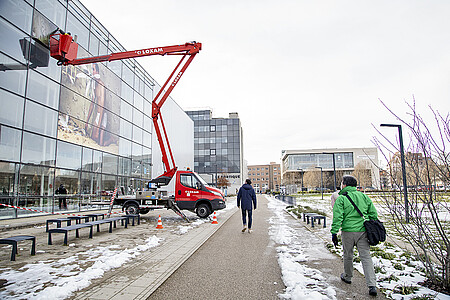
(345, 215)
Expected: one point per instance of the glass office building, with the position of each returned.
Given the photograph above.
(86, 127)
(218, 147)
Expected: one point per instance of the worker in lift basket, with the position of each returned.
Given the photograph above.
(247, 197)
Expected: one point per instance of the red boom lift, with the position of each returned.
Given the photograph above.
(64, 49)
(192, 193)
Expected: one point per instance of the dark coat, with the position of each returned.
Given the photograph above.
(246, 196)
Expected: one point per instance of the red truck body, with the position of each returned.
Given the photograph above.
(192, 193)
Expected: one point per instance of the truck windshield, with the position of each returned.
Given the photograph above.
(200, 179)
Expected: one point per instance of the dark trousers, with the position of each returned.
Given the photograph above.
(246, 212)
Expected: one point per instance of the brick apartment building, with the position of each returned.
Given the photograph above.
(265, 177)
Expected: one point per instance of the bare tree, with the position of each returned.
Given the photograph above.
(363, 173)
(427, 160)
(311, 178)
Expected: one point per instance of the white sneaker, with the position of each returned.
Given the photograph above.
(250, 231)
(244, 229)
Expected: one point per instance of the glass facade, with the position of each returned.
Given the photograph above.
(217, 143)
(87, 127)
(307, 161)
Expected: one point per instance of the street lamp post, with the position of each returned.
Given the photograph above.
(402, 158)
(334, 168)
(301, 172)
(321, 180)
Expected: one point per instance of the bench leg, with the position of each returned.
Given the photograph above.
(77, 233)
(14, 251)
(46, 227)
(110, 227)
(126, 222)
(58, 224)
(33, 246)
(324, 222)
(49, 238)
(98, 227)
(139, 220)
(90, 232)
(65, 238)
(312, 222)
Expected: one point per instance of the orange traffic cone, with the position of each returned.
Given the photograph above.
(214, 219)
(159, 223)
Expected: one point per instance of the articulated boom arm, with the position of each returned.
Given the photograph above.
(64, 49)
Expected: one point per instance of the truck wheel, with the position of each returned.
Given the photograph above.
(132, 209)
(203, 211)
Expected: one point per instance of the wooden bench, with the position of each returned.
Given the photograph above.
(58, 222)
(79, 218)
(13, 241)
(95, 216)
(122, 219)
(138, 216)
(66, 230)
(313, 217)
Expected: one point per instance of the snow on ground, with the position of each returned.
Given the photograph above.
(401, 271)
(59, 279)
(301, 281)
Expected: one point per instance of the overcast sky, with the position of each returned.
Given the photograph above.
(301, 74)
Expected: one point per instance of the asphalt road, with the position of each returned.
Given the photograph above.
(230, 265)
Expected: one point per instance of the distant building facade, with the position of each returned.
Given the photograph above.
(218, 148)
(265, 177)
(296, 163)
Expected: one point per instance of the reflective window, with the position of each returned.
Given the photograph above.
(126, 92)
(124, 166)
(17, 12)
(13, 47)
(138, 118)
(68, 156)
(97, 161)
(42, 89)
(36, 180)
(38, 149)
(75, 27)
(126, 129)
(148, 122)
(110, 163)
(53, 10)
(136, 170)
(137, 134)
(147, 139)
(124, 147)
(94, 43)
(136, 151)
(108, 184)
(7, 182)
(40, 119)
(138, 101)
(128, 77)
(70, 179)
(14, 75)
(12, 109)
(10, 140)
(86, 163)
(89, 183)
(126, 111)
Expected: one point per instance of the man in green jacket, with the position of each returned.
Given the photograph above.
(347, 218)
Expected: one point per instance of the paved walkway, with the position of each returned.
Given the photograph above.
(230, 265)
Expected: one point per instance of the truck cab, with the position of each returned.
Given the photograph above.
(193, 193)
(188, 191)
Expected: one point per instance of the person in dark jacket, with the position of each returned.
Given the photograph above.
(62, 200)
(246, 200)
